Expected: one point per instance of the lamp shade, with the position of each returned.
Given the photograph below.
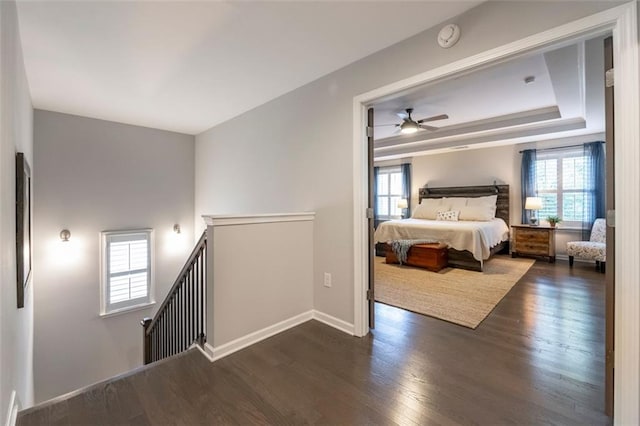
(402, 203)
(533, 203)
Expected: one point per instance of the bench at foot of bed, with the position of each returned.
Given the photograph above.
(433, 256)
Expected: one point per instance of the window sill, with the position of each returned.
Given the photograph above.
(128, 309)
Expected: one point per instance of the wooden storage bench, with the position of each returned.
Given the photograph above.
(432, 256)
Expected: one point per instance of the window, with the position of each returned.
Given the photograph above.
(126, 270)
(561, 179)
(389, 192)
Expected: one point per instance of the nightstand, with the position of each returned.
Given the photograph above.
(534, 241)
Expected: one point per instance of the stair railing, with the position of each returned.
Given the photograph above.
(181, 319)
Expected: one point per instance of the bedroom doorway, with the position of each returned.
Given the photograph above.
(623, 23)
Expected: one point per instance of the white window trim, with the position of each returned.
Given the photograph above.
(104, 306)
(559, 154)
(389, 170)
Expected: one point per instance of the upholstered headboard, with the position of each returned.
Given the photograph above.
(502, 205)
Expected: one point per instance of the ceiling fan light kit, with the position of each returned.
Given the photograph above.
(408, 127)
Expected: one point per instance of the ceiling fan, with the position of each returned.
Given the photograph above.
(409, 125)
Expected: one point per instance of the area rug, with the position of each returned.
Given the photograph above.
(455, 295)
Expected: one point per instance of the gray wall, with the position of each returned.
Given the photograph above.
(96, 175)
(271, 281)
(294, 153)
(16, 135)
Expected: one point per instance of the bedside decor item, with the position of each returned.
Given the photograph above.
(553, 221)
(403, 205)
(23, 225)
(533, 204)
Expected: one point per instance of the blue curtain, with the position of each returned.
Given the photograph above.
(528, 180)
(594, 178)
(406, 187)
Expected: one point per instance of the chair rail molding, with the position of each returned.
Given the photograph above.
(248, 219)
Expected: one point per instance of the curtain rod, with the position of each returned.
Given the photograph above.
(555, 147)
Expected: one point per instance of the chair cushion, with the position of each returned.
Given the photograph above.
(599, 231)
(587, 250)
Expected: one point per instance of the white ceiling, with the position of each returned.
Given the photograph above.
(494, 106)
(187, 66)
(488, 93)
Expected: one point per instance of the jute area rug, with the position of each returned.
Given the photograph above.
(455, 295)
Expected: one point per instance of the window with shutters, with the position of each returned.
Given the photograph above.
(562, 184)
(389, 192)
(126, 270)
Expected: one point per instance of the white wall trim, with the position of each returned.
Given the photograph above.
(218, 352)
(12, 411)
(334, 322)
(627, 232)
(622, 20)
(215, 353)
(248, 219)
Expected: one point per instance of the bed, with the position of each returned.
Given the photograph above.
(470, 242)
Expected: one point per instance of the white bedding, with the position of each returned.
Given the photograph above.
(476, 237)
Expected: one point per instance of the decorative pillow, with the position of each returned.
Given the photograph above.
(451, 215)
(482, 213)
(428, 209)
(455, 203)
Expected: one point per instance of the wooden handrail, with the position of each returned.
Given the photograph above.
(180, 320)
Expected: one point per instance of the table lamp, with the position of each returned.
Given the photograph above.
(533, 204)
(402, 205)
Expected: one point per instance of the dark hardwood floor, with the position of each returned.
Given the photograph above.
(537, 359)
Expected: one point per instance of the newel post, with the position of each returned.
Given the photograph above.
(146, 340)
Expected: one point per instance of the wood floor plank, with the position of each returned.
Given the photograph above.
(538, 358)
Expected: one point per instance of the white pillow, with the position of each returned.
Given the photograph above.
(455, 203)
(480, 201)
(428, 208)
(426, 211)
(489, 201)
(451, 215)
(481, 213)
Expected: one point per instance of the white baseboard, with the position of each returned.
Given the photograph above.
(12, 411)
(334, 322)
(215, 353)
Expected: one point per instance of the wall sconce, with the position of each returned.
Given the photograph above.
(176, 228)
(65, 234)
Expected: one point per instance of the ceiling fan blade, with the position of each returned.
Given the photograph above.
(434, 118)
(425, 127)
(381, 125)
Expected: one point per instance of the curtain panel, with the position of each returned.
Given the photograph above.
(528, 180)
(406, 186)
(594, 178)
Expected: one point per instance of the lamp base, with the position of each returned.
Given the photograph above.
(533, 221)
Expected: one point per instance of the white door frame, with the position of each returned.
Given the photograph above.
(622, 22)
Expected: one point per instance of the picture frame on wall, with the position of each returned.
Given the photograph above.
(23, 225)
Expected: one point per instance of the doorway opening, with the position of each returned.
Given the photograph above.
(622, 22)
